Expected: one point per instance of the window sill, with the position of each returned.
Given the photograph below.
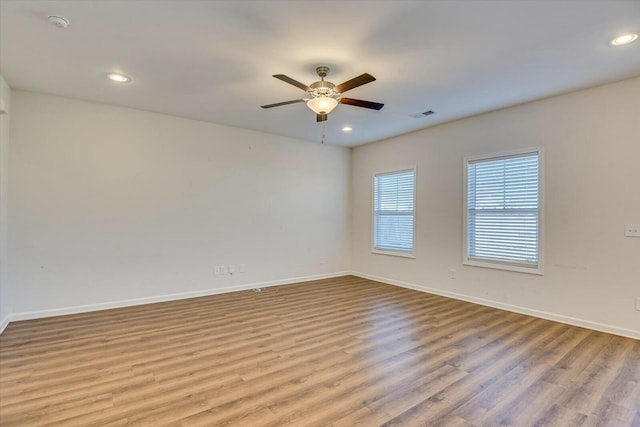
(393, 253)
(497, 266)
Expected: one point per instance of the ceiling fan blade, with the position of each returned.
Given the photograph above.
(277, 104)
(289, 80)
(361, 103)
(321, 117)
(355, 82)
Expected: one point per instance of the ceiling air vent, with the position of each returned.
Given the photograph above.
(424, 113)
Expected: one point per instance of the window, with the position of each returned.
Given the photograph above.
(393, 222)
(503, 195)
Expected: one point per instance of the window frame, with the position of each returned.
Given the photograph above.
(393, 252)
(539, 270)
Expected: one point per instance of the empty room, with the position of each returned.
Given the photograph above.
(320, 213)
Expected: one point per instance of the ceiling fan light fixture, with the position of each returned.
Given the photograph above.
(323, 96)
(322, 104)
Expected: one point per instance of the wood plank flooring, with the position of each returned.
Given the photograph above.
(335, 352)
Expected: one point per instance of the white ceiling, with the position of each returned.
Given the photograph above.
(213, 60)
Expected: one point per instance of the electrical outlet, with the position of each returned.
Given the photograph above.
(632, 230)
(242, 268)
(452, 273)
(232, 268)
(216, 270)
(223, 269)
(638, 303)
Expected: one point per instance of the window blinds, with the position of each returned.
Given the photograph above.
(503, 215)
(393, 211)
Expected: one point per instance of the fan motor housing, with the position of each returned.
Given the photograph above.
(323, 88)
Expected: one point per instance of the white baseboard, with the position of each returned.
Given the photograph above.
(4, 323)
(161, 298)
(629, 333)
(193, 294)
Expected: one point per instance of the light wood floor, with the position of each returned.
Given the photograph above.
(340, 352)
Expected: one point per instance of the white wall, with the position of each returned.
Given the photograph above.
(5, 101)
(592, 146)
(110, 204)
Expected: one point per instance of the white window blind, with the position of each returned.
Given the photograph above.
(393, 211)
(503, 222)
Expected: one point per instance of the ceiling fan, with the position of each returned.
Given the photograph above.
(324, 96)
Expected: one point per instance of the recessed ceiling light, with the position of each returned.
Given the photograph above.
(119, 78)
(59, 21)
(347, 129)
(623, 39)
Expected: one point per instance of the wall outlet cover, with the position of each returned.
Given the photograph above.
(632, 230)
